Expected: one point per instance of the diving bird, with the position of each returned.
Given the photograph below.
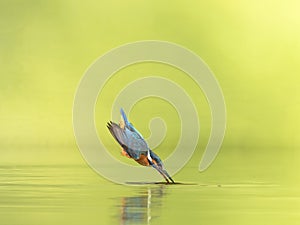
(134, 145)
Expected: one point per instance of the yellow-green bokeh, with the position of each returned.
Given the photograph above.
(46, 46)
(252, 47)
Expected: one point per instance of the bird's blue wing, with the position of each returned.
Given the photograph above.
(132, 143)
(117, 132)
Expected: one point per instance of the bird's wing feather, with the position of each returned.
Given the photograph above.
(132, 143)
(117, 132)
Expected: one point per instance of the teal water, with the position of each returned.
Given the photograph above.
(74, 194)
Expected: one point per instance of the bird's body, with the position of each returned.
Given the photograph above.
(134, 145)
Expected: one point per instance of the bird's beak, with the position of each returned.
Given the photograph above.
(164, 173)
(169, 177)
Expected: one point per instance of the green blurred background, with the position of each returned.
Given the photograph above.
(253, 48)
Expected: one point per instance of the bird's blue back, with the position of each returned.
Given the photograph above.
(129, 138)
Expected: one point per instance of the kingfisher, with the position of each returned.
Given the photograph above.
(134, 145)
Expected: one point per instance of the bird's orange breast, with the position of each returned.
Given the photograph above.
(124, 153)
(143, 160)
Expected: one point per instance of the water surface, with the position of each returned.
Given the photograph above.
(74, 194)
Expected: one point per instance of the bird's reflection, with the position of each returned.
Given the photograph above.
(142, 208)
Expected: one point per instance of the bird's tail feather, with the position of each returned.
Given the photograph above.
(124, 116)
